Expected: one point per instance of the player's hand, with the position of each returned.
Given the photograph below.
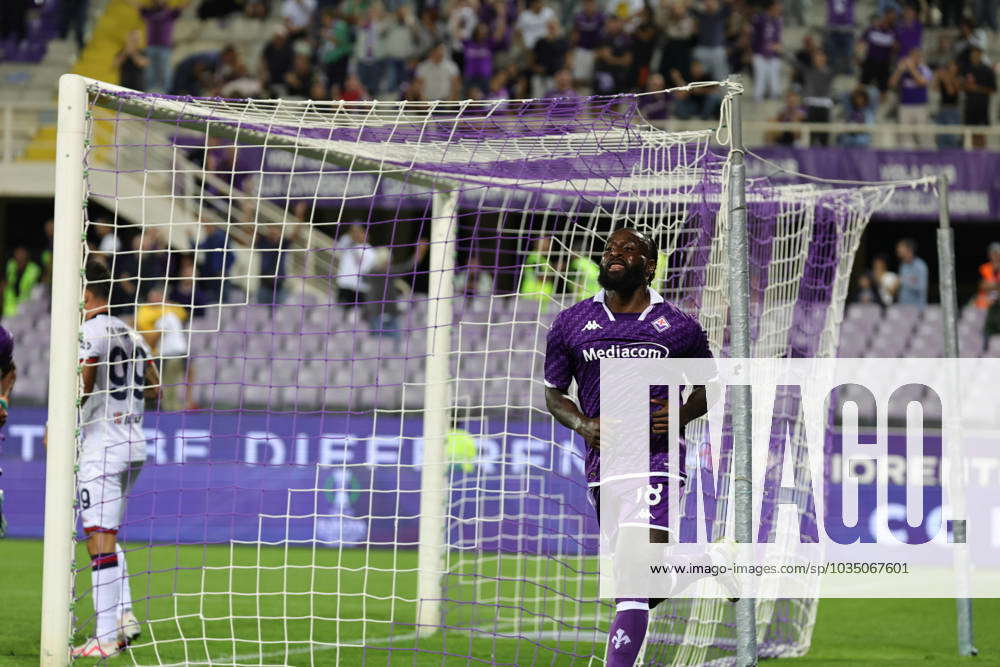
(590, 430)
(661, 417)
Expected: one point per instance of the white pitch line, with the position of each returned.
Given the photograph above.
(238, 658)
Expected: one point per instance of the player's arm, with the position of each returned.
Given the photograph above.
(6, 386)
(151, 392)
(89, 376)
(567, 413)
(558, 375)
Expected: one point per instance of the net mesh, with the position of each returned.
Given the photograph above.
(277, 518)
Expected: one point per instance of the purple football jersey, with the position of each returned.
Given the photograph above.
(588, 331)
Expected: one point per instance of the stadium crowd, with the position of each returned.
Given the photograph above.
(485, 49)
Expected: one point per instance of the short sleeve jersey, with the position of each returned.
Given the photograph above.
(588, 331)
(112, 415)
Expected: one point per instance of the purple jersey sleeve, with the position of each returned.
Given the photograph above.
(558, 358)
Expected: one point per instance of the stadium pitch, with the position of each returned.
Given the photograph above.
(265, 609)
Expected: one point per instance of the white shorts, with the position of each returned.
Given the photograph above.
(101, 489)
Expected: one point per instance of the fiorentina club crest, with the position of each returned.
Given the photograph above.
(661, 324)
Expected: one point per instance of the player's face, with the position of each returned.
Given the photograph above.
(624, 264)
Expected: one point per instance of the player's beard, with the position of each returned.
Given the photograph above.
(631, 279)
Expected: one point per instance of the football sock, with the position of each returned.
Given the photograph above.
(105, 575)
(125, 603)
(627, 632)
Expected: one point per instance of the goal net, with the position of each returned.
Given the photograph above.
(348, 303)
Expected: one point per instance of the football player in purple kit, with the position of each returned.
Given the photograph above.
(626, 319)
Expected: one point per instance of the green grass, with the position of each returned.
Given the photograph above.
(181, 605)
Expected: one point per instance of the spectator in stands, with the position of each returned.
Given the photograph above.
(985, 14)
(355, 260)
(792, 112)
(462, 21)
(912, 80)
(859, 109)
(353, 90)
(989, 278)
(368, 49)
(216, 260)
(437, 77)
(532, 24)
(478, 59)
(474, 279)
(400, 42)
(879, 42)
(161, 323)
(390, 283)
(802, 58)
(969, 37)
(15, 21)
(335, 45)
(878, 285)
(767, 51)
(655, 107)
(160, 17)
(297, 15)
(548, 57)
(951, 12)
(679, 30)
(107, 240)
(588, 28)
(949, 84)
(913, 274)
(980, 84)
(909, 31)
(817, 90)
(276, 62)
(710, 43)
(299, 79)
(989, 293)
(885, 281)
(840, 34)
(20, 278)
(796, 11)
(73, 16)
(185, 290)
(562, 85)
(645, 40)
(613, 61)
(131, 62)
(701, 103)
(272, 265)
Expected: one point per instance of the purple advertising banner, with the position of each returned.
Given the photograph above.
(349, 480)
(974, 190)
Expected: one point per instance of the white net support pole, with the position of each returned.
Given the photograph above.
(437, 412)
(70, 201)
(739, 299)
(949, 308)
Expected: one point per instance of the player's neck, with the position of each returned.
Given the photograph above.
(99, 310)
(619, 301)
